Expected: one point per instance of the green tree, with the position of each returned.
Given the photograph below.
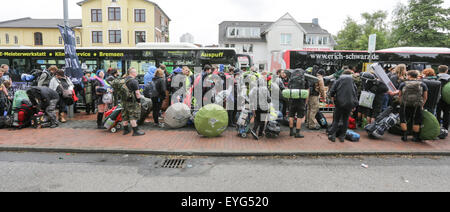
(347, 37)
(424, 23)
(355, 36)
(375, 24)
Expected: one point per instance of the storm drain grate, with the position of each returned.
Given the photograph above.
(173, 164)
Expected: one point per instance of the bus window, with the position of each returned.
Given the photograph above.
(4, 61)
(112, 64)
(141, 66)
(92, 65)
(19, 67)
(170, 66)
(62, 63)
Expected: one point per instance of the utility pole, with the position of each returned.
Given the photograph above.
(66, 25)
(66, 13)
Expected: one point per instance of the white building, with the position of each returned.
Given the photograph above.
(262, 39)
(187, 38)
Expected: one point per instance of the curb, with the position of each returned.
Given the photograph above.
(219, 154)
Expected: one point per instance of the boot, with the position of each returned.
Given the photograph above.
(417, 137)
(332, 138)
(137, 132)
(100, 121)
(299, 135)
(292, 132)
(62, 118)
(126, 130)
(405, 137)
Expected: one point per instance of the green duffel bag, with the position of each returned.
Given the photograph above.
(211, 121)
(295, 94)
(446, 93)
(431, 128)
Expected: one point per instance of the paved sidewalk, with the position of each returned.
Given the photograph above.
(79, 136)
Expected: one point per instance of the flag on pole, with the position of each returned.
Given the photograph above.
(73, 67)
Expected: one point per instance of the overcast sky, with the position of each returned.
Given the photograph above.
(202, 17)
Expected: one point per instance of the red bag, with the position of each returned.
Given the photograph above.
(74, 95)
(351, 123)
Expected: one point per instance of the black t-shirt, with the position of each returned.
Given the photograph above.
(132, 84)
(424, 86)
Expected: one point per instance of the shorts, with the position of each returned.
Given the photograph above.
(131, 111)
(297, 108)
(411, 114)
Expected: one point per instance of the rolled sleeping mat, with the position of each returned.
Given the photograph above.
(295, 94)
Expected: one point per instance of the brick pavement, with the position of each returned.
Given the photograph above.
(79, 136)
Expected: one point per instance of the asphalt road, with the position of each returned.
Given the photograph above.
(62, 172)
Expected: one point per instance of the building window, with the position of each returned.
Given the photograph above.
(325, 41)
(60, 40)
(96, 15)
(244, 32)
(140, 37)
(7, 38)
(286, 39)
(227, 45)
(115, 36)
(38, 39)
(309, 40)
(114, 13)
(232, 45)
(139, 15)
(16, 40)
(97, 37)
(78, 40)
(247, 48)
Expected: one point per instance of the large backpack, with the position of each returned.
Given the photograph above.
(37, 74)
(412, 94)
(121, 88)
(297, 79)
(445, 90)
(150, 90)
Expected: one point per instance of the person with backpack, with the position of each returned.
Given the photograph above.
(64, 87)
(434, 90)
(260, 104)
(373, 85)
(100, 89)
(44, 77)
(317, 90)
(45, 99)
(4, 95)
(88, 92)
(413, 94)
(443, 109)
(297, 107)
(396, 79)
(131, 98)
(344, 95)
(159, 94)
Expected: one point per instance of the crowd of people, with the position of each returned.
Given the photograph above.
(101, 91)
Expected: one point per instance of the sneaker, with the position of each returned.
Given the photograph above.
(342, 139)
